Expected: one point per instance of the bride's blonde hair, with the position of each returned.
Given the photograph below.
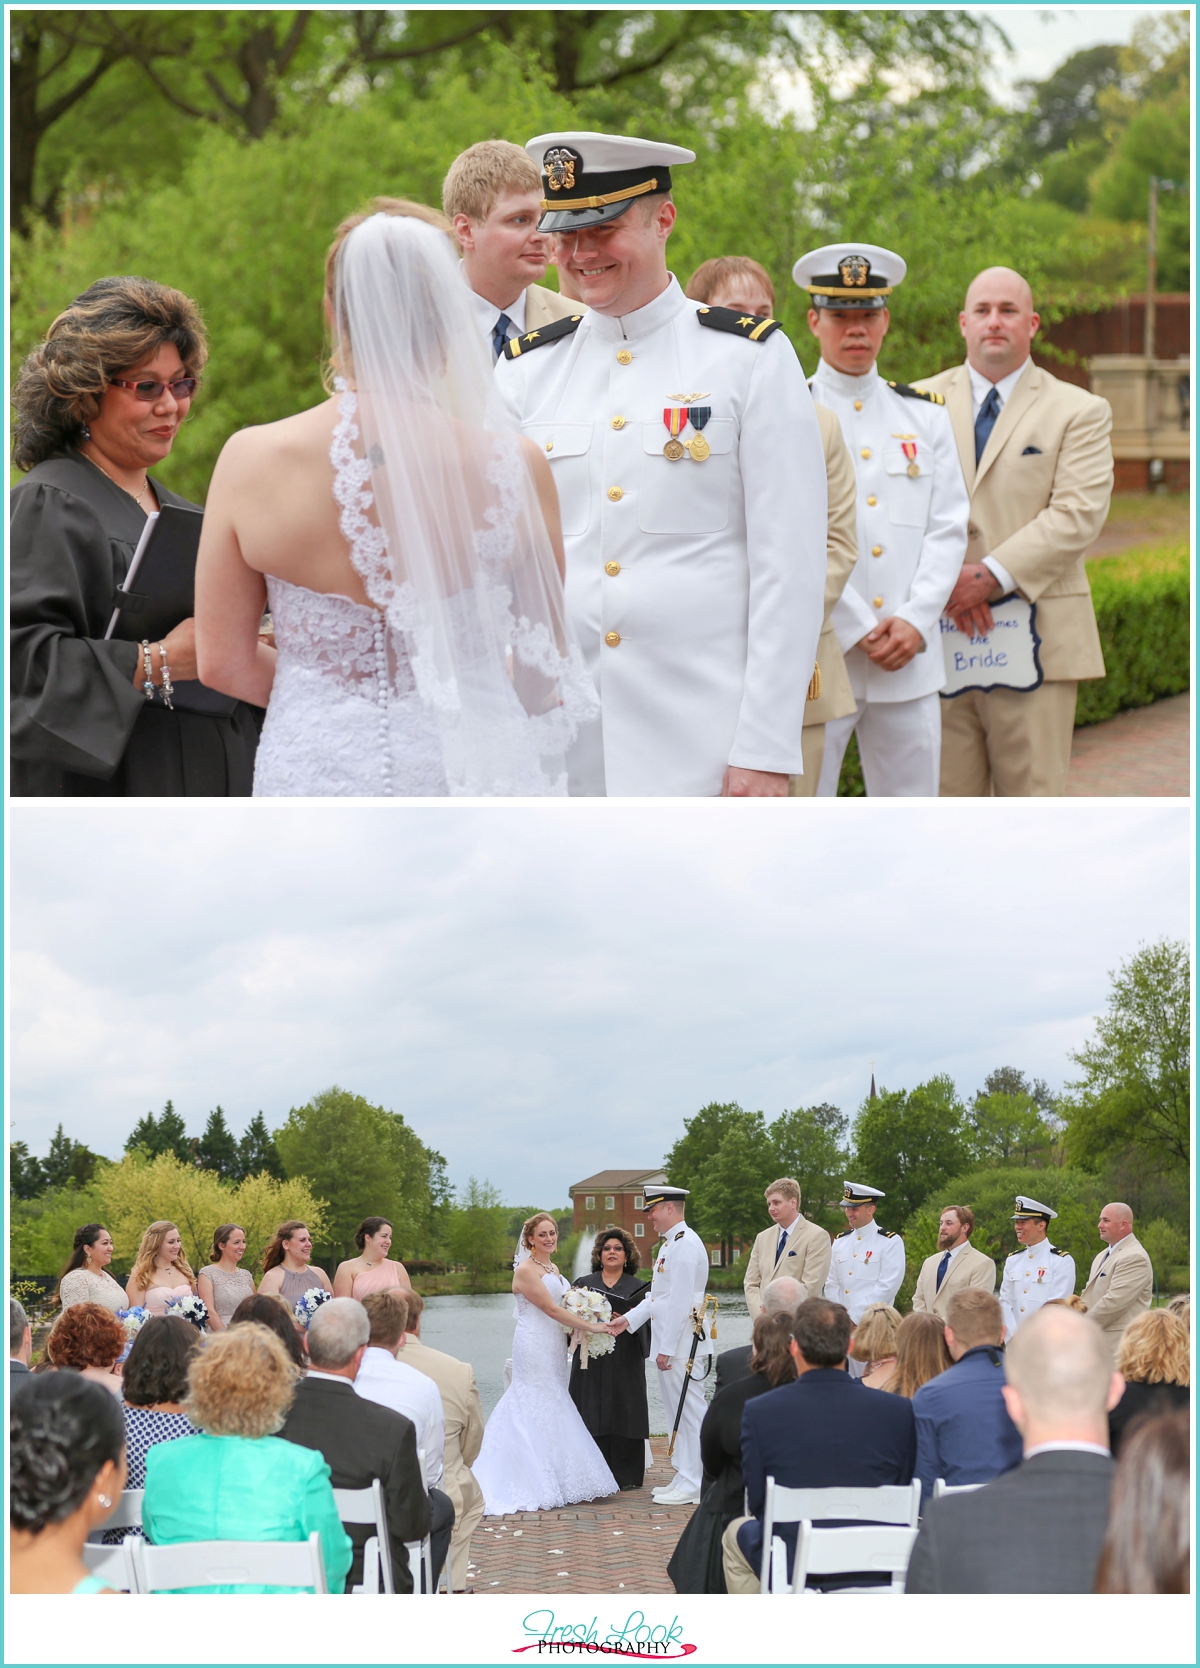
(531, 1223)
(147, 1256)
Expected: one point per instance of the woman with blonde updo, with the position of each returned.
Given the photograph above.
(1154, 1358)
(160, 1269)
(875, 1344)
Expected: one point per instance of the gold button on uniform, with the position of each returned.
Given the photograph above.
(872, 500)
(618, 422)
(876, 550)
(614, 493)
(879, 602)
(612, 569)
(858, 405)
(866, 452)
(612, 638)
(549, 445)
(624, 357)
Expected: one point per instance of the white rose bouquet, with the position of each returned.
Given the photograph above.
(193, 1309)
(592, 1306)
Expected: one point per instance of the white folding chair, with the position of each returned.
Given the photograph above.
(365, 1505)
(892, 1503)
(113, 1564)
(420, 1563)
(127, 1514)
(941, 1486)
(163, 1569)
(882, 1548)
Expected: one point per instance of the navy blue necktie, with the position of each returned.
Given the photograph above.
(942, 1267)
(500, 335)
(783, 1234)
(986, 421)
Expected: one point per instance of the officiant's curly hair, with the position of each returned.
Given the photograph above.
(116, 325)
(632, 1259)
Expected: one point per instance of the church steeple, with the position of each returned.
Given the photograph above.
(872, 1095)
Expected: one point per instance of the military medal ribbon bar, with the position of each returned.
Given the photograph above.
(698, 416)
(908, 445)
(675, 418)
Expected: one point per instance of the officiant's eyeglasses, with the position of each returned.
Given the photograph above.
(151, 391)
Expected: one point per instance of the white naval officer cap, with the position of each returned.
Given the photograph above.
(849, 276)
(1029, 1210)
(854, 1193)
(664, 1196)
(590, 178)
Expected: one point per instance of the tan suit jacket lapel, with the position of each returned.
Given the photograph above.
(962, 421)
(1014, 408)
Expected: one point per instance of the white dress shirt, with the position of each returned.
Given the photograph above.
(488, 313)
(980, 389)
(383, 1379)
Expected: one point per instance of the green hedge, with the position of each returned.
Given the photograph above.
(1143, 610)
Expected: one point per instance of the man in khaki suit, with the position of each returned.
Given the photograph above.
(794, 1246)
(954, 1266)
(493, 197)
(464, 1435)
(1121, 1283)
(1037, 458)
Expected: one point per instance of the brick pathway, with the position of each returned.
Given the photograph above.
(599, 1547)
(1146, 752)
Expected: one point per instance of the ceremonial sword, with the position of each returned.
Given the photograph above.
(698, 1328)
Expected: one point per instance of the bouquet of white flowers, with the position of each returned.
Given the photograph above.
(133, 1320)
(192, 1309)
(593, 1306)
(307, 1306)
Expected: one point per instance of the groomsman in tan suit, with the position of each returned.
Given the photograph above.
(1121, 1283)
(1037, 458)
(794, 1246)
(493, 197)
(955, 1264)
(464, 1435)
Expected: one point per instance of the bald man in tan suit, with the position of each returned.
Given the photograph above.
(1040, 492)
(464, 1437)
(1121, 1283)
(835, 698)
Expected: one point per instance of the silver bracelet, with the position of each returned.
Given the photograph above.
(167, 688)
(148, 669)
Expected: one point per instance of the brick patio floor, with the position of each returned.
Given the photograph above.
(599, 1547)
(1143, 753)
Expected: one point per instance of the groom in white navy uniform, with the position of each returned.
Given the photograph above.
(685, 448)
(676, 1293)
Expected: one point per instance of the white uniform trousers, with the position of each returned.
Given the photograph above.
(686, 1458)
(899, 742)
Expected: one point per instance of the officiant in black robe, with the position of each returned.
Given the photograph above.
(89, 426)
(611, 1392)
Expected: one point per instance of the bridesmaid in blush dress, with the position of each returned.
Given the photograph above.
(373, 1270)
(160, 1269)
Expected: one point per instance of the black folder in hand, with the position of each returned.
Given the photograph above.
(159, 591)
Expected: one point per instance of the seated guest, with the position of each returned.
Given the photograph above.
(1148, 1545)
(1154, 1359)
(89, 1339)
(733, 281)
(359, 1439)
(155, 1385)
(1038, 1528)
(1074, 1301)
(610, 1392)
(782, 1296)
(372, 1270)
(392, 1383)
(237, 1481)
(696, 1565)
(1180, 1304)
(67, 1454)
(86, 1279)
(160, 1269)
(20, 1341)
(462, 1412)
(874, 1345)
(921, 1353)
(823, 1431)
(99, 403)
(964, 1433)
(276, 1315)
(222, 1284)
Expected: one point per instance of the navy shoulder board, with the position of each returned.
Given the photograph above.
(1054, 1251)
(737, 324)
(887, 1233)
(679, 1235)
(917, 393)
(517, 345)
(844, 1233)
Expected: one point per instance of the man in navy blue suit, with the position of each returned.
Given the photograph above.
(824, 1431)
(964, 1433)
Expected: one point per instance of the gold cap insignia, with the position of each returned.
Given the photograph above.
(559, 164)
(855, 270)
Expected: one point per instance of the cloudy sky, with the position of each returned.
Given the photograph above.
(546, 993)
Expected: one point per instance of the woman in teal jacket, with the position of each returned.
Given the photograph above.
(238, 1481)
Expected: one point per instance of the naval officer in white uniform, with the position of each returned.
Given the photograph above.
(913, 511)
(1038, 1271)
(676, 1294)
(691, 478)
(868, 1261)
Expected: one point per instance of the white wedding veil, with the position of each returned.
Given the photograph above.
(441, 511)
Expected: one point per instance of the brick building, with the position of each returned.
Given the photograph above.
(615, 1199)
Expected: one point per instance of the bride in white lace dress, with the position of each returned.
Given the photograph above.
(406, 539)
(537, 1452)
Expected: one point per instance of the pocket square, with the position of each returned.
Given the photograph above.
(1032, 452)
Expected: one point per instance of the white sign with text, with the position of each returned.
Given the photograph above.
(1004, 658)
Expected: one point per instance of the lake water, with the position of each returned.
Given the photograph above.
(480, 1330)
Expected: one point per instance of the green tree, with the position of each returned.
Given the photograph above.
(144, 1134)
(173, 1136)
(364, 1159)
(701, 1139)
(1135, 1090)
(217, 1148)
(257, 1153)
(478, 1232)
(810, 1147)
(42, 1230)
(908, 1142)
(1008, 1129)
(1168, 1250)
(727, 1202)
(26, 1178)
(68, 1161)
